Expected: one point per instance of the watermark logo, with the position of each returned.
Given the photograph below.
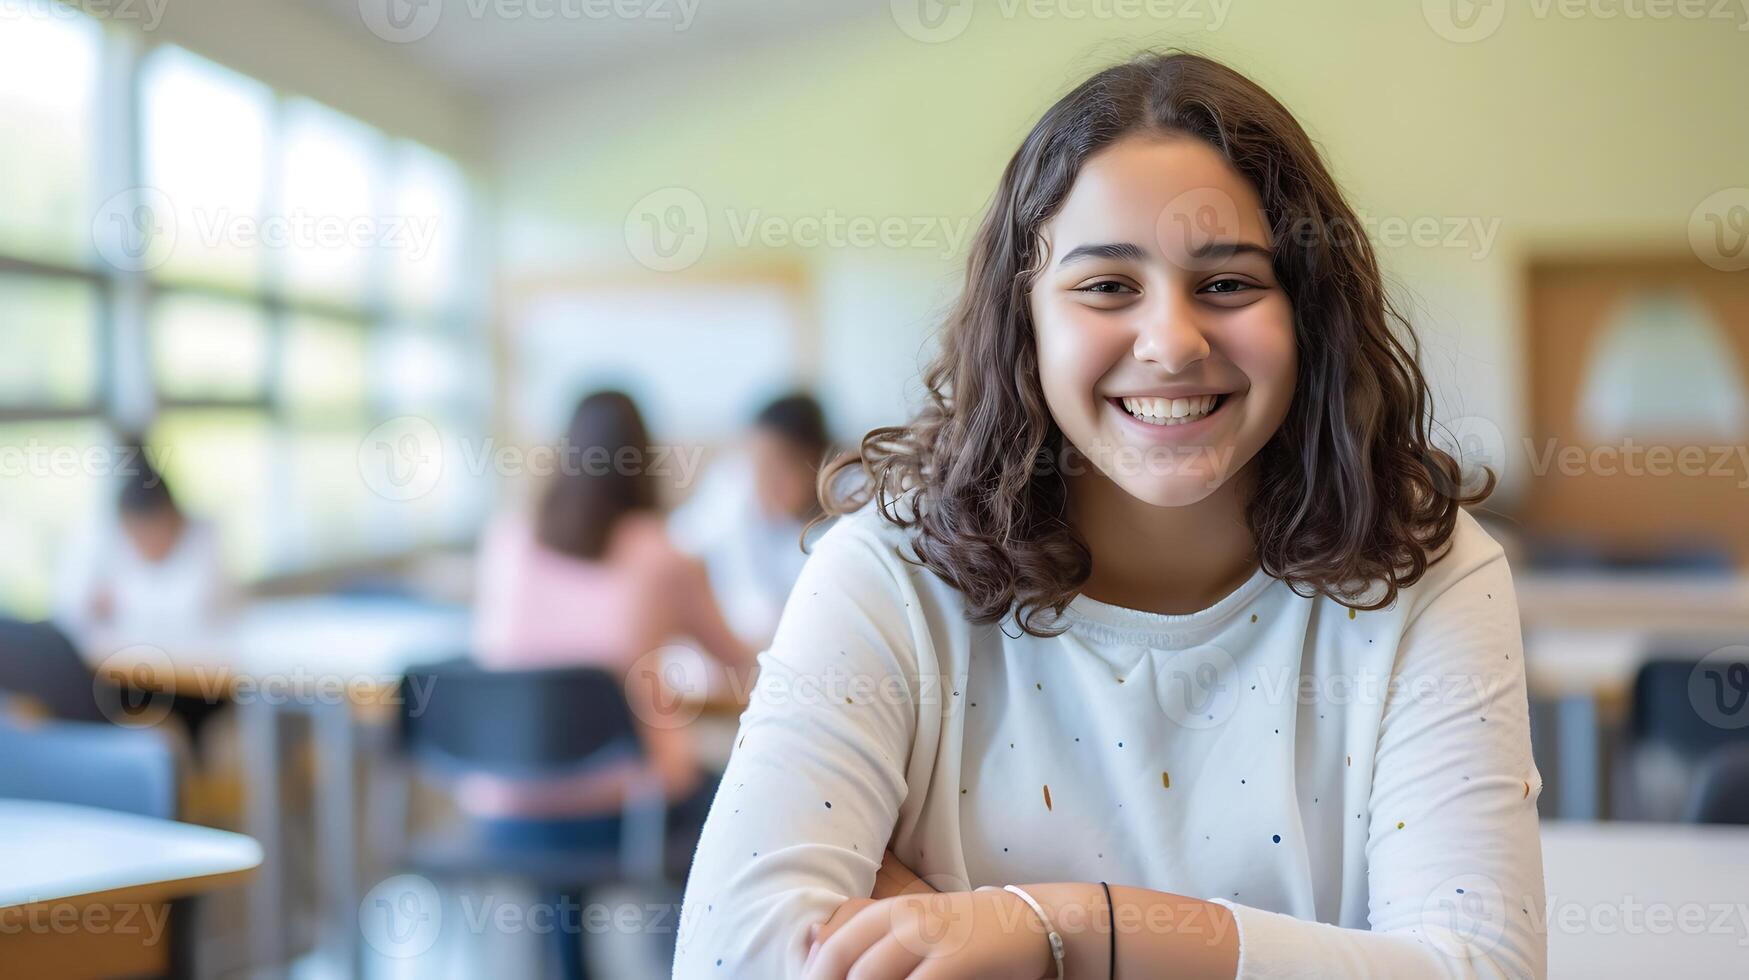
(936, 21)
(1475, 442)
(1464, 916)
(1195, 220)
(666, 688)
(1198, 688)
(147, 13)
(400, 21)
(406, 21)
(135, 230)
(135, 685)
(401, 917)
(401, 459)
(934, 924)
(932, 21)
(667, 230)
(1718, 687)
(1469, 21)
(1464, 21)
(1718, 229)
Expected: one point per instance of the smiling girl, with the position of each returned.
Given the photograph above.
(1164, 611)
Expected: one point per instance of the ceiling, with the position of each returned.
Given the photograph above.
(498, 49)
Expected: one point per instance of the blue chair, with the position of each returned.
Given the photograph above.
(129, 770)
(100, 765)
(539, 724)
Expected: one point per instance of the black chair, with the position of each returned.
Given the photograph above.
(1669, 700)
(129, 770)
(1721, 792)
(38, 662)
(1673, 727)
(460, 718)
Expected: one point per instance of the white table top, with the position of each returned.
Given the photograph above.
(335, 637)
(1646, 900)
(1588, 633)
(57, 851)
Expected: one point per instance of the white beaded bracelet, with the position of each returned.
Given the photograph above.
(1051, 934)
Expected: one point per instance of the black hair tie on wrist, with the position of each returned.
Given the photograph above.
(1111, 916)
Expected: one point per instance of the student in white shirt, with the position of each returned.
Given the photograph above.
(746, 519)
(143, 570)
(1248, 686)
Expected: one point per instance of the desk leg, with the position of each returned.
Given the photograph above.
(1578, 744)
(336, 810)
(264, 820)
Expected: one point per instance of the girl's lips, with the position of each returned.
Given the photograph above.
(1182, 432)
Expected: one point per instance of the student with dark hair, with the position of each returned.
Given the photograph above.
(1159, 643)
(747, 518)
(142, 571)
(592, 579)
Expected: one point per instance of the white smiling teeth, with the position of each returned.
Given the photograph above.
(1170, 411)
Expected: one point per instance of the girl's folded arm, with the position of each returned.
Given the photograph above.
(1454, 859)
(819, 770)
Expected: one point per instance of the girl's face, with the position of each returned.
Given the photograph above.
(1165, 345)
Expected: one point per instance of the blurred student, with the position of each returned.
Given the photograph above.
(145, 571)
(746, 519)
(591, 578)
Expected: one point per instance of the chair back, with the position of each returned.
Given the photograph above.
(1686, 707)
(459, 716)
(38, 661)
(131, 770)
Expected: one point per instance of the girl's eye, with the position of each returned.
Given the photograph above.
(1227, 287)
(1108, 287)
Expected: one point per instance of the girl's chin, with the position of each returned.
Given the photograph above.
(1178, 491)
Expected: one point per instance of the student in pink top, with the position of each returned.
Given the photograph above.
(591, 579)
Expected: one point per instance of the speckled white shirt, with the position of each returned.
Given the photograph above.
(1357, 787)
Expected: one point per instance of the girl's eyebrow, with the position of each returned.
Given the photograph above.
(1226, 250)
(1102, 250)
(1133, 253)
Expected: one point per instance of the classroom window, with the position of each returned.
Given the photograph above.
(206, 135)
(299, 277)
(47, 132)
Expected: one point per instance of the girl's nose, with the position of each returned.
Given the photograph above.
(1170, 336)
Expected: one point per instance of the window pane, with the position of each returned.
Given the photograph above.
(322, 368)
(47, 331)
(205, 156)
(48, 78)
(330, 202)
(219, 463)
(48, 488)
(429, 215)
(327, 516)
(206, 348)
(420, 367)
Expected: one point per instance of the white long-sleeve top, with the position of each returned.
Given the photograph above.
(1356, 787)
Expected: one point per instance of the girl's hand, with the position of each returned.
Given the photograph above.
(893, 879)
(983, 935)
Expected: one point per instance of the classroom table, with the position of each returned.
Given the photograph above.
(83, 887)
(1636, 900)
(326, 658)
(1585, 637)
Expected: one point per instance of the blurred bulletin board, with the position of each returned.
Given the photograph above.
(1636, 373)
(700, 354)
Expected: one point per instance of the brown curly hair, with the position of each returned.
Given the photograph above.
(1348, 492)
